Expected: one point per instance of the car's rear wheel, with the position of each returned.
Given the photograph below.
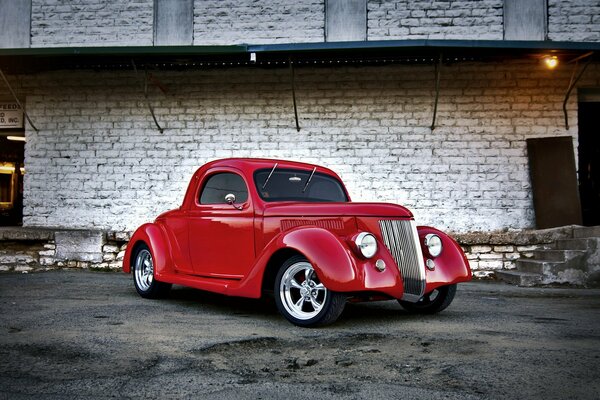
(143, 275)
(432, 302)
(302, 298)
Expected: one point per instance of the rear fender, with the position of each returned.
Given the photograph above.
(153, 236)
(451, 266)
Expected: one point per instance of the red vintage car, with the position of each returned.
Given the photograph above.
(250, 227)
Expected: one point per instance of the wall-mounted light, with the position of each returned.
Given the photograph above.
(550, 62)
(9, 168)
(17, 138)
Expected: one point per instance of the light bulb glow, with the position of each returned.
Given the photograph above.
(551, 62)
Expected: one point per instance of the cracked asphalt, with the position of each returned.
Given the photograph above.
(84, 334)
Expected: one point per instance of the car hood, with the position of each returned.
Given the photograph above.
(295, 209)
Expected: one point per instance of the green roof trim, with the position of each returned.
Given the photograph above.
(301, 47)
(125, 51)
(427, 43)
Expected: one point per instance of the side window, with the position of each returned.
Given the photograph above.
(219, 185)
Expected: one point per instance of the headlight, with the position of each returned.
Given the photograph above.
(366, 244)
(434, 244)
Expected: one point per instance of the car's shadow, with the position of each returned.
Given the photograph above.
(362, 313)
(200, 299)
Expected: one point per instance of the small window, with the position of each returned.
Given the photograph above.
(220, 185)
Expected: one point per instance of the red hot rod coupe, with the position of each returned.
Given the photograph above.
(249, 227)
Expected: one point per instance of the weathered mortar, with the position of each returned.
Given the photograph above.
(35, 249)
(574, 20)
(224, 22)
(425, 19)
(21, 256)
(91, 23)
(568, 20)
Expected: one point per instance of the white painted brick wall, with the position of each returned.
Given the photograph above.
(98, 161)
(574, 20)
(426, 19)
(222, 22)
(57, 23)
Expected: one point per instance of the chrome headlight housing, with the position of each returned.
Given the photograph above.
(366, 244)
(434, 244)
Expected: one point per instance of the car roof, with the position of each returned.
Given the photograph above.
(249, 165)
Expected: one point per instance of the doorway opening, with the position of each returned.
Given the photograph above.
(589, 161)
(554, 181)
(12, 169)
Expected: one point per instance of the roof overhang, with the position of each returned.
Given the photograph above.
(30, 60)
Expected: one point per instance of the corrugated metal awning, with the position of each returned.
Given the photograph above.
(272, 55)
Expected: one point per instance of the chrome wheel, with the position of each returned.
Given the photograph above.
(144, 270)
(301, 293)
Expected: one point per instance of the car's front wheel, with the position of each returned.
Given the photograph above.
(143, 275)
(302, 298)
(432, 302)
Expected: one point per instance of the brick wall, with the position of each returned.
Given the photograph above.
(56, 23)
(98, 161)
(425, 19)
(264, 22)
(571, 20)
(221, 22)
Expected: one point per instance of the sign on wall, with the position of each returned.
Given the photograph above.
(11, 116)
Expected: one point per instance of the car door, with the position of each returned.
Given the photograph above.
(221, 235)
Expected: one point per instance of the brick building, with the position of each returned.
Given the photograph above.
(430, 104)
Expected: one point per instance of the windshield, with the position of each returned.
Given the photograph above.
(291, 185)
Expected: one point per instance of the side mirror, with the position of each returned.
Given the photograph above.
(230, 199)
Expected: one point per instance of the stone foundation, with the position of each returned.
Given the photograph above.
(30, 249)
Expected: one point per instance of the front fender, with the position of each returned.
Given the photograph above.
(332, 260)
(156, 240)
(335, 263)
(451, 266)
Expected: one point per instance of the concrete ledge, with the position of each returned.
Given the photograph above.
(42, 233)
(26, 234)
(519, 238)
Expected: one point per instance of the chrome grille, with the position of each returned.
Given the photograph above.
(402, 240)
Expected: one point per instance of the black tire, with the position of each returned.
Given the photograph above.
(435, 301)
(143, 274)
(302, 299)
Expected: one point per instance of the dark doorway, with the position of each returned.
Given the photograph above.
(11, 180)
(554, 181)
(589, 162)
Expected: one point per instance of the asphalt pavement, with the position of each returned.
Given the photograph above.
(84, 334)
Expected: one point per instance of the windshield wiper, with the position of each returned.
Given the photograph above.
(269, 177)
(309, 178)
